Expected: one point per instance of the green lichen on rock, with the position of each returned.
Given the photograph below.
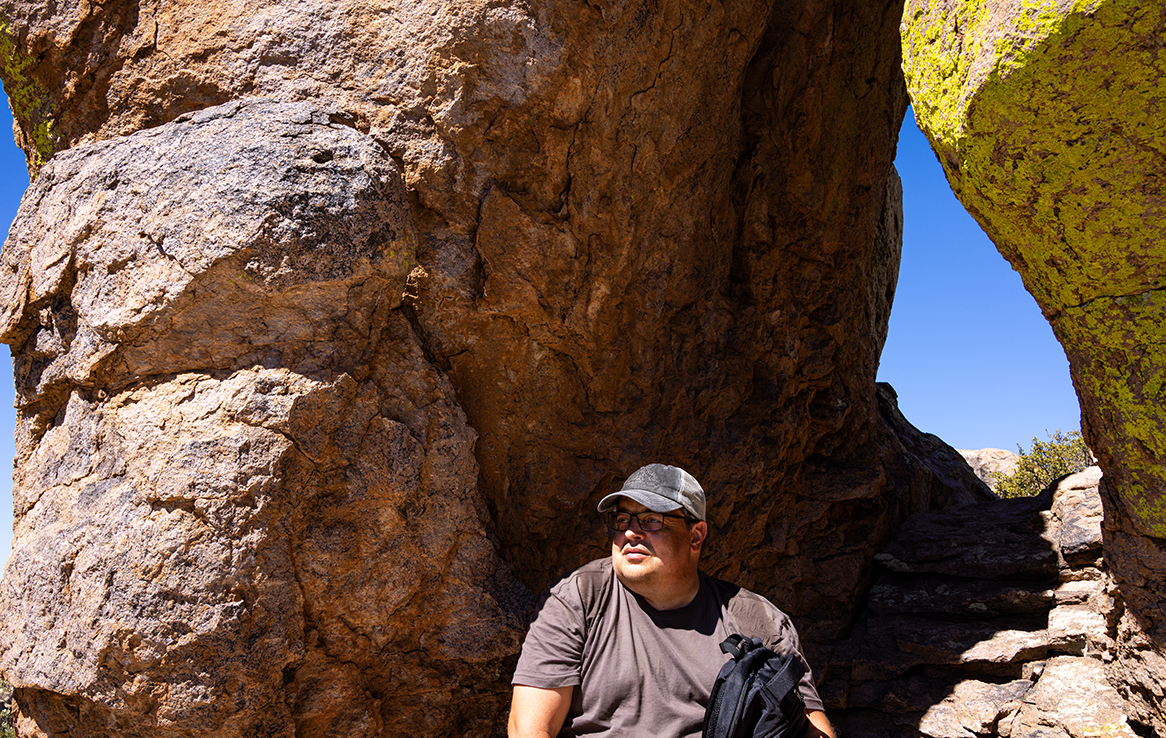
(31, 103)
(952, 47)
(1050, 141)
(1049, 127)
(935, 59)
(1116, 346)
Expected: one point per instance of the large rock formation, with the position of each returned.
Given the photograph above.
(1047, 118)
(245, 499)
(333, 321)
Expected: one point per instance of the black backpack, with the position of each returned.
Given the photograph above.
(755, 695)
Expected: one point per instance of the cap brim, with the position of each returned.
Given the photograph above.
(650, 500)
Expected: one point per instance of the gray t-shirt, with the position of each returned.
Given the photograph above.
(640, 671)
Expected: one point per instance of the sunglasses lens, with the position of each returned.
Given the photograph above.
(650, 523)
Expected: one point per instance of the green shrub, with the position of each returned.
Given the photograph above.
(6, 728)
(1063, 453)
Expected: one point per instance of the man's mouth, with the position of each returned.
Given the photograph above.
(635, 553)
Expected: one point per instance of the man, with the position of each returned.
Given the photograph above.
(631, 645)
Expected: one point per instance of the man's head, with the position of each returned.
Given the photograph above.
(661, 510)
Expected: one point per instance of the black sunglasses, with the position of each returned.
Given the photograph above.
(649, 522)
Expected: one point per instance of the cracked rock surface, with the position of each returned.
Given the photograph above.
(225, 420)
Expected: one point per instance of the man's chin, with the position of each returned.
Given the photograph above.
(633, 566)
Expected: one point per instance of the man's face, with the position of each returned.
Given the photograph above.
(644, 560)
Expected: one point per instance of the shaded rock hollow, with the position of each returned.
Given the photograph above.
(992, 619)
(332, 322)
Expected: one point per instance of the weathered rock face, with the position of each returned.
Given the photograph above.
(1047, 119)
(225, 419)
(317, 390)
(953, 481)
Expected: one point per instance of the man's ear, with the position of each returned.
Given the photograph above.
(700, 531)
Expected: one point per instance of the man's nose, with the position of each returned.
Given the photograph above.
(634, 528)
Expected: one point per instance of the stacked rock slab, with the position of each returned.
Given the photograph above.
(332, 322)
(989, 620)
(1047, 118)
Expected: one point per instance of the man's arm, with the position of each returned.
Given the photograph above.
(539, 713)
(819, 725)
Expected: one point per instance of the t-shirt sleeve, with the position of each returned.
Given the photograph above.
(788, 642)
(552, 654)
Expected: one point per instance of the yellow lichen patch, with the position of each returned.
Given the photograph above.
(1056, 157)
(1047, 117)
(30, 102)
(1117, 348)
(940, 44)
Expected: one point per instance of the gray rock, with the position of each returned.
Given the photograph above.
(1072, 698)
(942, 629)
(990, 464)
(227, 238)
(1077, 508)
(973, 708)
(1078, 630)
(891, 646)
(936, 595)
(223, 421)
(1078, 591)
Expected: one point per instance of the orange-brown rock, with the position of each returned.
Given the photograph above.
(333, 321)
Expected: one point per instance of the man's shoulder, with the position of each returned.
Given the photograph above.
(584, 584)
(591, 573)
(582, 593)
(753, 614)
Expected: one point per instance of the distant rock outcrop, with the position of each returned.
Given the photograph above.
(990, 464)
(1047, 118)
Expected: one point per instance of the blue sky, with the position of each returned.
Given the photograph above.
(968, 352)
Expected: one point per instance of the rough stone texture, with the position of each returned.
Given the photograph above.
(990, 464)
(230, 238)
(1072, 699)
(1047, 119)
(1003, 539)
(1026, 660)
(973, 708)
(1078, 512)
(223, 420)
(645, 231)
